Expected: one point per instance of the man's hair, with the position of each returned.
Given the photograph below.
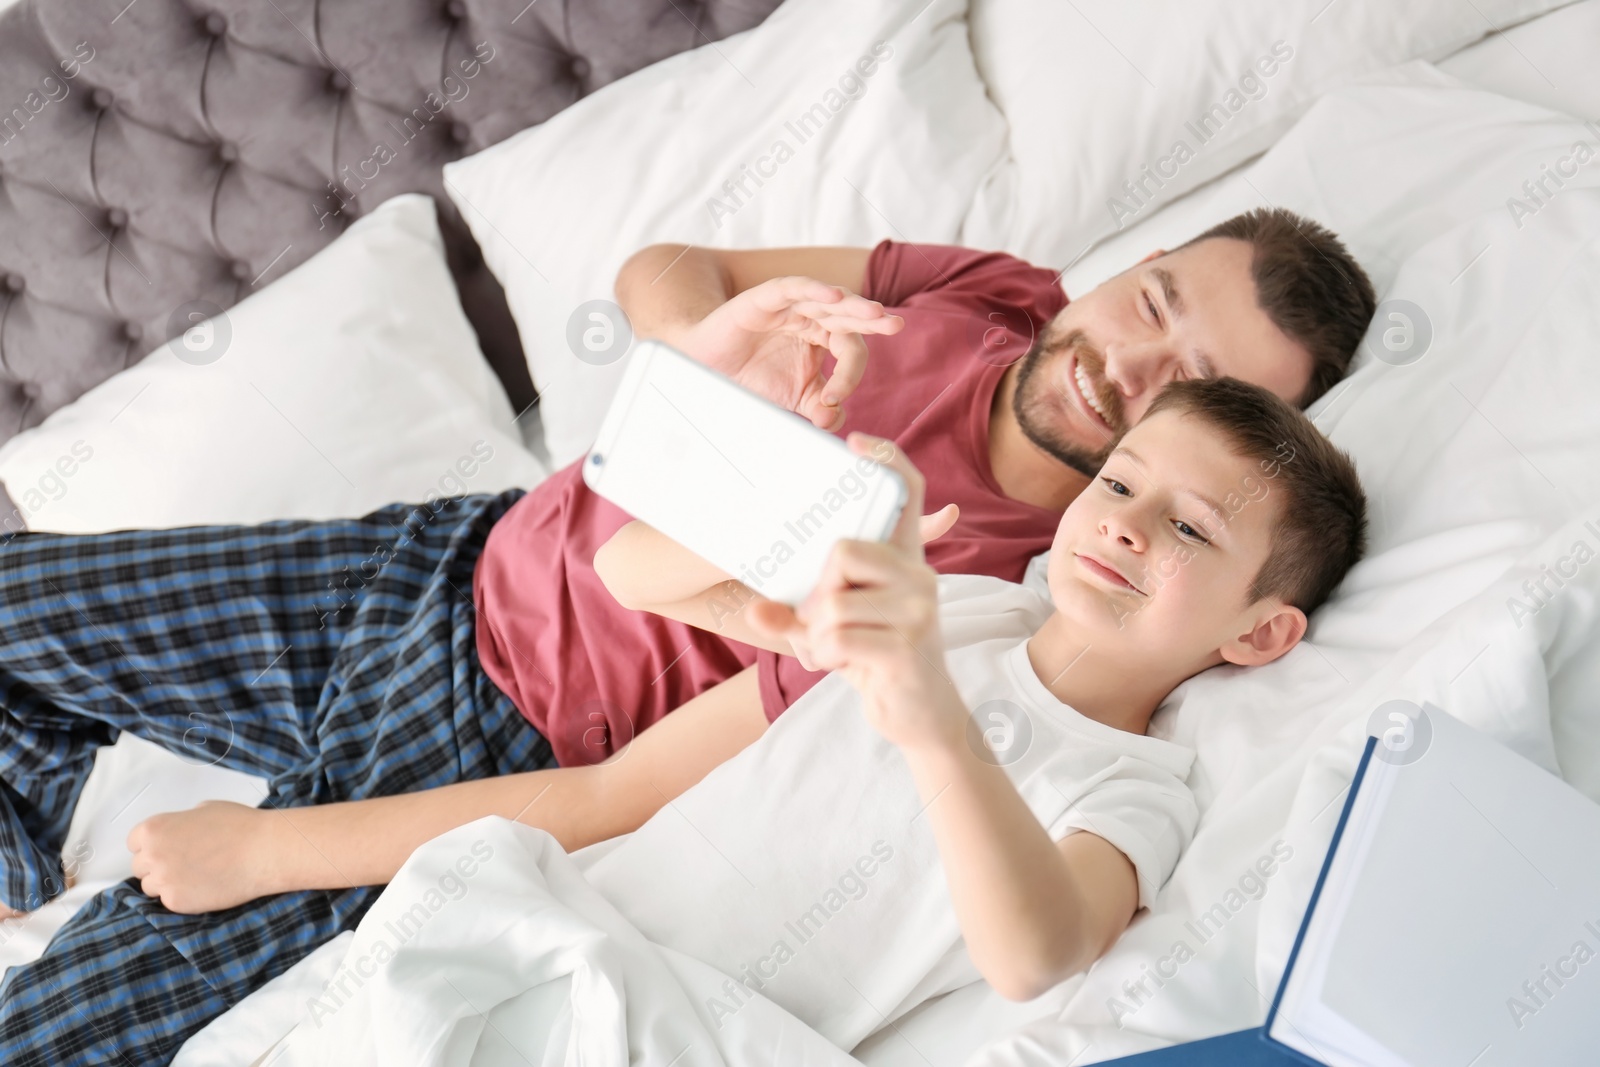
(1309, 285)
(1320, 530)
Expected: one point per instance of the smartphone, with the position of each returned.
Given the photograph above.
(756, 490)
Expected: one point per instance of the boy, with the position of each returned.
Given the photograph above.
(1215, 526)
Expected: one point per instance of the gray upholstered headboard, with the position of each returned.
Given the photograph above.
(156, 152)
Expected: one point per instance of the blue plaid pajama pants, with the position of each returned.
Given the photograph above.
(337, 659)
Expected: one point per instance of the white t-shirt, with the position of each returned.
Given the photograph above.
(806, 862)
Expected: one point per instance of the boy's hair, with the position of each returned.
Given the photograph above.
(1320, 531)
(1309, 285)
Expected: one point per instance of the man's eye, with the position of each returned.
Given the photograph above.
(1189, 531)
(1116, 487)
(1151, 304)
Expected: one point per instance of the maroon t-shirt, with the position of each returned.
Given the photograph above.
(589, 673)
(969, 315)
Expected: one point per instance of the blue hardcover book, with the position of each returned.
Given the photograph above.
(1456, 919)
(1243, 1048)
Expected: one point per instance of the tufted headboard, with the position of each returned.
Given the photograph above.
(159, 152)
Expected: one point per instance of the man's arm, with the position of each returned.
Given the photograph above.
(761, 317)
(665, 289)
(221, 854)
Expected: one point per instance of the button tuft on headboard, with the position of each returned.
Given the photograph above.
(190, 146)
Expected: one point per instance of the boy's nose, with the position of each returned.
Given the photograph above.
(1125, 533)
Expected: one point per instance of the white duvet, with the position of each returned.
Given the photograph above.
(1482, 459)
(490, 948)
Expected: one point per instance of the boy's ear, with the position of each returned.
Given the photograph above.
(1277, 627)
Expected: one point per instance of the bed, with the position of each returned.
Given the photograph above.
(1473, 440)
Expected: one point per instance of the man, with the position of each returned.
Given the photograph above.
(414, 688)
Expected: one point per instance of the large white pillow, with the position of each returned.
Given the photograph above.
(352, 382)
(901, 134)
(1108, 100)
(1366, 179)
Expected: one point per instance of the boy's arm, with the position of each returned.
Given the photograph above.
(1033, 912)
(222, 854)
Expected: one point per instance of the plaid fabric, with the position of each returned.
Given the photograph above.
(338, 659)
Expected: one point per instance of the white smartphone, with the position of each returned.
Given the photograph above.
(756, 490)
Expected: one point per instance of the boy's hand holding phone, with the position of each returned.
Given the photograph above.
(875, 617)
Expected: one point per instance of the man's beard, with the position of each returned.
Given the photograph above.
(1039, 417)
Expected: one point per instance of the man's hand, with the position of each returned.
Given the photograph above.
(875, 616)
(772, 339)
(205, 859)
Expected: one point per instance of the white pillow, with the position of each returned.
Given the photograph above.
(352, 382)
(897, 152)
(1099, 93)
(1364, 178)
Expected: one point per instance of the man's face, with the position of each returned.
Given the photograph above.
(1157, 556)
(1192, 313)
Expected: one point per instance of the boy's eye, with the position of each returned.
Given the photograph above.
(1189, 531)
(1116, 487)
(1151, 305)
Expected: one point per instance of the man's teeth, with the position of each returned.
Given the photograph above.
(1087, 389)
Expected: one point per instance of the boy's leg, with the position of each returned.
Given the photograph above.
(403, 706)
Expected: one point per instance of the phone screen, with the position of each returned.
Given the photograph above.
(754, 489)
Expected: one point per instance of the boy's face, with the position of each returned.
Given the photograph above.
(1155, 558)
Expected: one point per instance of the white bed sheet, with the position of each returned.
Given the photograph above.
(1544, 61)
(1444, 445)
(1548, 61)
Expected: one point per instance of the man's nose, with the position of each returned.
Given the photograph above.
(1138, 369)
